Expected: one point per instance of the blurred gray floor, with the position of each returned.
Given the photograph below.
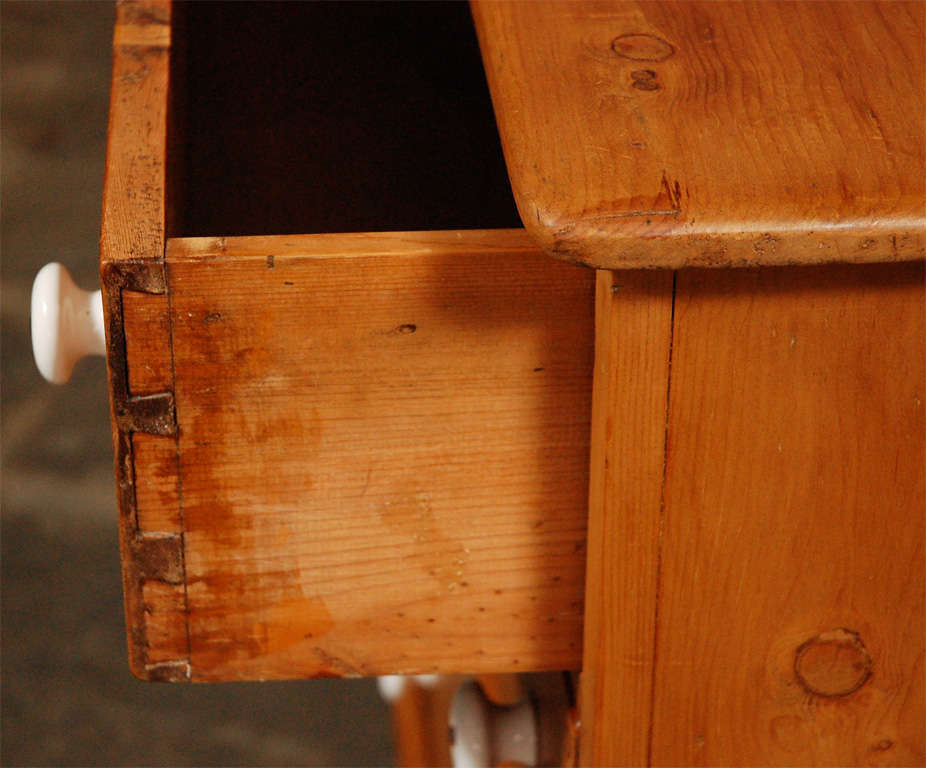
(67, 696)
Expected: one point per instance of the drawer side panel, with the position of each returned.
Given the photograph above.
(383, 457)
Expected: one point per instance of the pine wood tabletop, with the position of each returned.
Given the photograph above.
(655, 134)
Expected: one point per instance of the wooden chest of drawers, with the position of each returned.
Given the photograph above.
(353, 400)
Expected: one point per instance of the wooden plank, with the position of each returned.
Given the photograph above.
(633, 325)
(165, 622)
(791, 604)
(146, 320)
(147, 328)
(663, 134)
(157, 483)
(499, 243)
(383, 446)
(133, 189)
(138, 343)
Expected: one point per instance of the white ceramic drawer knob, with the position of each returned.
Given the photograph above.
(67, 323)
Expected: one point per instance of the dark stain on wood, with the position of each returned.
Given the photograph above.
(158, 556)
(142, 15)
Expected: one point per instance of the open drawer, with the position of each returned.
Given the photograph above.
(337, 454)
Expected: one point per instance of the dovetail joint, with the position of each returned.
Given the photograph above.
(146, 556)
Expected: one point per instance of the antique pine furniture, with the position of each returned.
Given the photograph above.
(353, 402)
(755, 584)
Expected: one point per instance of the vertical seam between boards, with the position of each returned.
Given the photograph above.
(662, 521)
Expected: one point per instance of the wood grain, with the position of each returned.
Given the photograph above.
(633, 326)
(146, 321)
(660, 134)
(499, 243)
(146, 318)
(383, 447)
(165, 623)
(157, 483)
(133, 189)
(791, 602)
(138, 342)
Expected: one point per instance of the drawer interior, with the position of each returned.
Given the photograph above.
(331, 117)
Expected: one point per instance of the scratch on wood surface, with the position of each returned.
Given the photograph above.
(674, 191)
(631, 214)
(670, 192)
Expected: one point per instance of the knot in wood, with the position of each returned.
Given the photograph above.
(833, 664)
(641, 47)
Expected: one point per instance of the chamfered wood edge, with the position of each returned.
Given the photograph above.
(132, 259)
(661, 238)
(605, 245)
